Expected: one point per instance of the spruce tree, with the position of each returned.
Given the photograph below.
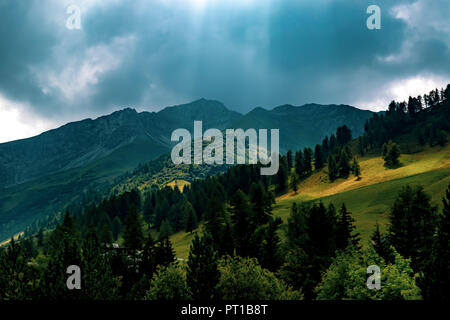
(381, 245)
(356, 168)
(269, 252)
(413, 223)
(282, 176)
(345, 228)
(318, 157)
(64, 251)
(133, 234)
(436, 281)
(242, 222)
(190, 218)
(16, 281)
(164, 254)
(296, 232)
(260, 205)
(294, 182)
(332, 168)
(215, 218)
(299, 163)
(97, 280)
(307, 161)
(202, 274)
(289, 159)
(148, 261)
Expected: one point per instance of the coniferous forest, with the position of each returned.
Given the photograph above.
(122, 244)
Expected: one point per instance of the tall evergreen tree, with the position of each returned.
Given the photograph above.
(345, 228)
(282, 176)
(293, 181)
(356, 169)
(242, 222)
(190, 218)
(299, 163)
(164, 254)
(97, 280)
(202, 274)
(289, 159)
(133, 234)
(16, 279)
(64, 251)
(436, 281)
(412, 225)
(296, 232)
(332, 168)
(307, 161)
(318, 157)
(148, 262)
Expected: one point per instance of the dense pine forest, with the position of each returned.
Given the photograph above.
(240, 249)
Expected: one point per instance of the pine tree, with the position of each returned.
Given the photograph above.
(332, 168)
(261, 208)
(242, 222)
(282, 176)
(343, 165)
(97, 280)
(296, 232)
(215, 218)
(164, 254)
(148, 262)
(269, 252)
(412, 225)
(64, 251)
(381, 245)
(436, 280)
(307, 161)
(299, 163)
(356, 168)
(345, 228)
(16, 281)
(294, 182)
(133, 234)
(289, 159)
(202, 274)
(318, 157)
(190, 218)
(390, 153)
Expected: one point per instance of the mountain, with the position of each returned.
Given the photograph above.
(41, 175)
(80, 143)
(307, 125)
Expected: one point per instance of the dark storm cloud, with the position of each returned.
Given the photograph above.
(149, 54)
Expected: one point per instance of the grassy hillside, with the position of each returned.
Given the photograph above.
(370, 198)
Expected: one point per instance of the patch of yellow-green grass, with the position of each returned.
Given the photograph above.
(181, 242)
(16, 237)
(370, 198)
(178, 183)
(373, 171)
(372, 203)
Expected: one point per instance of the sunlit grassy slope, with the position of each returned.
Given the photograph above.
(16, 237)
(178, 183)
(370, 198)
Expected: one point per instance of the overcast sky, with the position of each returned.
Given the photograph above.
(246, 53)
